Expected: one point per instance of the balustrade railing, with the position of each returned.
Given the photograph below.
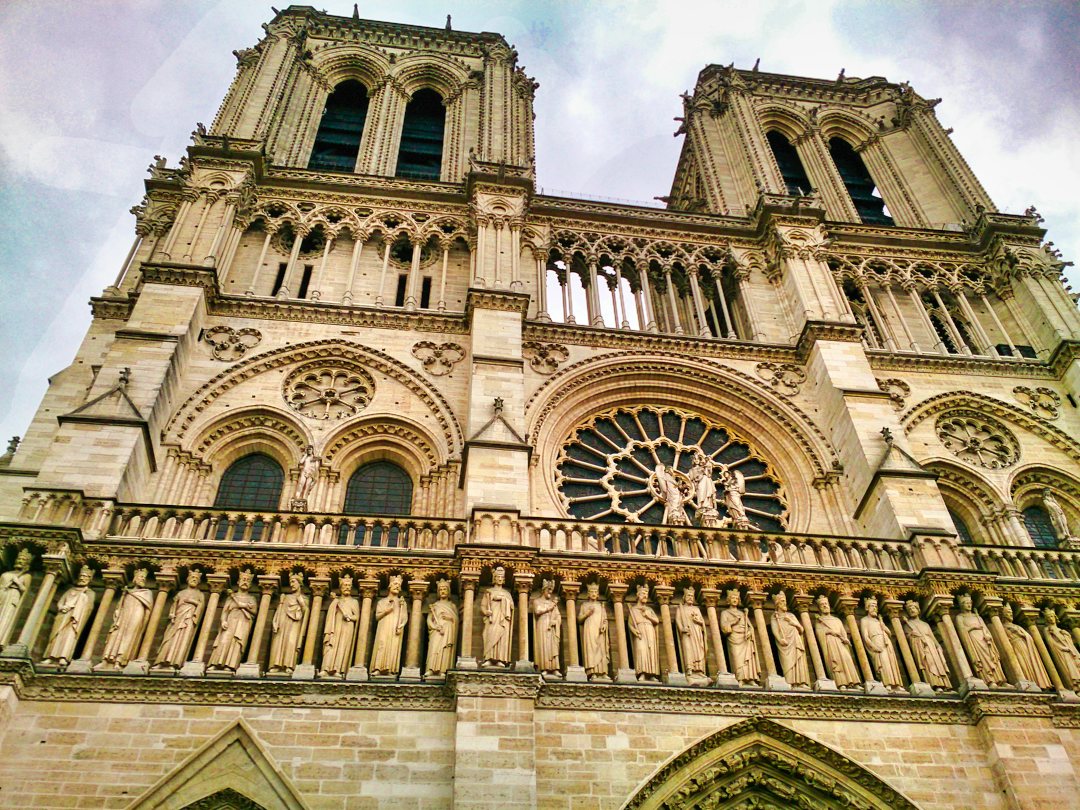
(1024, 563)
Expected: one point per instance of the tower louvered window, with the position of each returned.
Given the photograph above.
(791, 168)
(860, 185)
(420, 155)
(337, 143)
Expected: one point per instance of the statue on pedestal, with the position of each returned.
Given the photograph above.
(184, 618)
(288, 626)
(339, 634)
(547, 629)
(836, 646)
(1062, 648)
(701, 478)
(742, 645)
(129, 623)
(1057, 516)
(979, 644)
(672, 493)
(442, 623)
(72, 612)
(879, 646)
(237, 616)
(392, 614)
(643, 621)
(925, 649)
(14, 585)
(1024, 650)
(790, 644)
(305, 482)
(691, 626)
(595, 647)
(497, 608)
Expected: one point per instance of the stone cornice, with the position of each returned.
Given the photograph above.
(111, 309)
(499, 300)
(959, 364)
(295, 310)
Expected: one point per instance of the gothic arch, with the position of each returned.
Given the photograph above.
(838, 123)
(789, 121)
(1027, 484)
(420, 71)
(338, 63)
(259, 429)
(383, 438)
(758, 763)
(968, 494)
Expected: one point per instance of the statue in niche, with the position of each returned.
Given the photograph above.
(595, 647)
(925, 649)
(392, 614)
(14, 585)
(305, 482)
(442, 623)
(836, 646)
(237, 616)
(672, 493)
(129, 622)
(184, 615)
(790, 644)
(691, 626)
(1062, 648)
(497, 608)
(879, 646)
(742, 645)
(339, 634)
(1024, 650)
(979, 644)
(1057, 515)
(72, 612)
(643, 621)
(701, 479)
(734, 486)
(547, 629)
(288, 626)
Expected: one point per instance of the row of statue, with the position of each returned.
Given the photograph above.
(822, 651)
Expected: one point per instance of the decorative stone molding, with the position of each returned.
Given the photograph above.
(328, 390)
(544, 358)
(897, 389)
(1043, 402)
(785, 378)
(438, 358)
(976, 440)
(229, 344)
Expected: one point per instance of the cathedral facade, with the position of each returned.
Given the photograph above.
(381, 479)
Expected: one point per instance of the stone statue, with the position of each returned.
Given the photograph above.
(72, 612)
(643, 621)
(595, 647)
(879, 646)
(547, 628)
(790, 644)
(670, 491)
(392, 614)
(129, 622)
(1057, 515)
(1024, 651)
(290, 622)
(309, 472)
(979, 644)
(734, 488)
(184, 615)
(742, 645)
(339, 633)
(701, 477)
(691, 626)
(497, 608)
(925, 649)
(442, 623)
(835, 646)
(14, 585)
(1062, 648)
(237, 616)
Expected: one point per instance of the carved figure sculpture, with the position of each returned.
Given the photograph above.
(734, 488)
(392, 614)
(339, 633)
(925, 649)
(835, 646)
(288, 626)
(442, 623)
(184, 615)
(1057, 515)
(14, 585)
(643, 621)
(309, 472)
(547, 628)
(1062, 648)
(691, 626)
(237, 615)
(975, 635)
(1024, 651)
(595, 649)
(129, 622)
(790, 644)
(742, 646)
(879, 646)
(72, 611)
(669, 490)
(497, 608)
(701, 477)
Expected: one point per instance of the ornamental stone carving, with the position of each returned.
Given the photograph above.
(785, 378)
(228, 344)
(544, 358)
(897, 389)
(290, 621)
(977, 440)
(1062, 649)
(691, 627)
(328, 390)
(878, 639)
(72, 611)
(925, 649)
(978, 643)
(1024, 652)
(835, 647)
(1043, 402)
(790, 643)
(438, 358)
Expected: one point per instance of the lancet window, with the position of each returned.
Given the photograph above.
(860, 185)
(787, 159)
(420, 155)
(337, 143)
(252, 483)
(1039, 527)
(381, 488)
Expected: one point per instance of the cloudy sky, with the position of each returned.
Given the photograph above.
(91, 90)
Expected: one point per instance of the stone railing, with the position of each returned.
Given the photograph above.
(1024, 563)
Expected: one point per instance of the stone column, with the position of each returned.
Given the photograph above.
(649, 322)
(541, 289)
(166, 581)
(466, 659)
(114, 580)
(316, 292)
(252, 667)
(382, 273)
(823, 682)
(938, 611)
(441, 303)
(624, 672)
(359, 671)
(414, 273)
(258, 267)
(575, 673)
(55, 567)
(306, 669)
(756, 600)
(846, 606)
(290, 268)
(918, 687)
(724, 678)
(699, 309)
(354, 263)
(196, 667)
(998, 324)
(672, 676)
(523, 586)
(411, 671)
(728, 329)
(676, 326)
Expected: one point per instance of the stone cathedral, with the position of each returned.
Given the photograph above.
(383, 480)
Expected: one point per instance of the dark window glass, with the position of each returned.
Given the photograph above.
(305, 281)
(399, 296)
(420, 155)
(280, 278)
(380, 488)
(425, 293)
(251, 483)
(791, 168)
(859, 183)
(1039, 527)
(337, 143)
(961, 527)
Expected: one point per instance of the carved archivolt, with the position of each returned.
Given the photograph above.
(438, 358)
(977, 440)
(230, 344)
(1043, 402)
(336, 389)
(413, 442)
(260, 423)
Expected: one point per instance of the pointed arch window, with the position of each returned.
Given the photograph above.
(380, 488)
(252, 483)
(1039, 527)
(337, 143)
(961, 527)
(420, 155)
(791, 169)
(859, 183)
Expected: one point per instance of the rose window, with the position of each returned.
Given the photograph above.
(666, 466)
(977, 440)
(328, 390)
